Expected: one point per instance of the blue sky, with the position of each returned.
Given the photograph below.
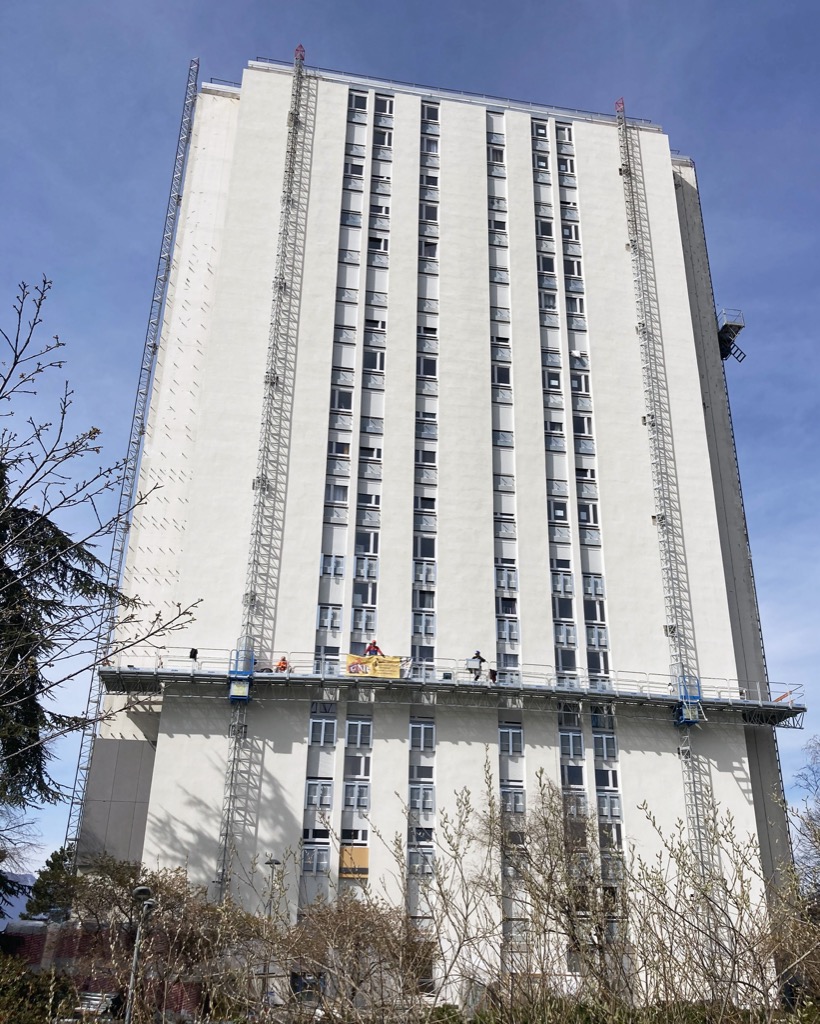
(91, 98)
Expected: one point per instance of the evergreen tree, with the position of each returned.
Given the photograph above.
(52, 893)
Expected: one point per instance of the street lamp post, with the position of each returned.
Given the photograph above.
(142, 894)
(273, 864)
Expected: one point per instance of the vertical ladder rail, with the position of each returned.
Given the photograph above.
(270, 483)
(132, 458)
(679, 625)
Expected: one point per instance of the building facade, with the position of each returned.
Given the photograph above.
(441, 370)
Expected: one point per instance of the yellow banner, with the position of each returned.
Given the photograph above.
(377, 667)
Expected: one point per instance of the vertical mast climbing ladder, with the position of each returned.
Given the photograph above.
(132, 458)
(668, 519)
(270, 483)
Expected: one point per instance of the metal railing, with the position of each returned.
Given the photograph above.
(304, 665)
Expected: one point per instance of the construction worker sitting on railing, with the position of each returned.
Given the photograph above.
(282, 664)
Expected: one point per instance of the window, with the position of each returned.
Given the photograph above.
(424, 624)
(378, 207)
(506, 606)
(572, 267)
(422, 503)
(364, 593)
(329, 617)
(357, 766)
(561, 607)
(370, 454)
(566, 165)
(609, 806)
(339, 449)
(367, 568)
(593, 585)
(572, 745)
(424, 600)
(421, 772)
(562, 583)
(547, 300)
(428, 180)
(605, 747)
(429, 145)
(570, 232)
(565, 634)
(420, 862)
(341, 399)
(511, 739)
(375, 325)
(422, 798)
(426, 366)
(428, 212)
(333, 565)
(367, 542)
(357, 101)
(563, 132)
(506, 577)
(363, 620)
(429, 112)
(572, 775)
(602, 717)
(318, 793)
(579, 382)
(495, 155)
(323, 732)
(336, 494)
(315, 860)
(587, 513)
(606, 778)
(501, 375)
(551, 379)
(384, 104)
(557, 508)
(565, 660)
(359, 732)
(609, 835)
(422, 735)
(597, 662)
(582, 425)
(506, 630)
(428, 250)
(378, 243)
(569, 715)
(424, 547)
(543, 228)
(382, 137)
(495, 224)
(354, 170)
(357, 795)
(594, 611)
(540, 161)
(424, 572)
(373, 360)
(546, 264)
(512, 799)
(539, 129)
(369, 500)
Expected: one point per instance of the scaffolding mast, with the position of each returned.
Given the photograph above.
(270, 482)
(131, 462)
(668, 519)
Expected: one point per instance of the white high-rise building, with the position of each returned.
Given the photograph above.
(442, 370)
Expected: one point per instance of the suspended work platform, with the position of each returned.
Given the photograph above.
(452, 682)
